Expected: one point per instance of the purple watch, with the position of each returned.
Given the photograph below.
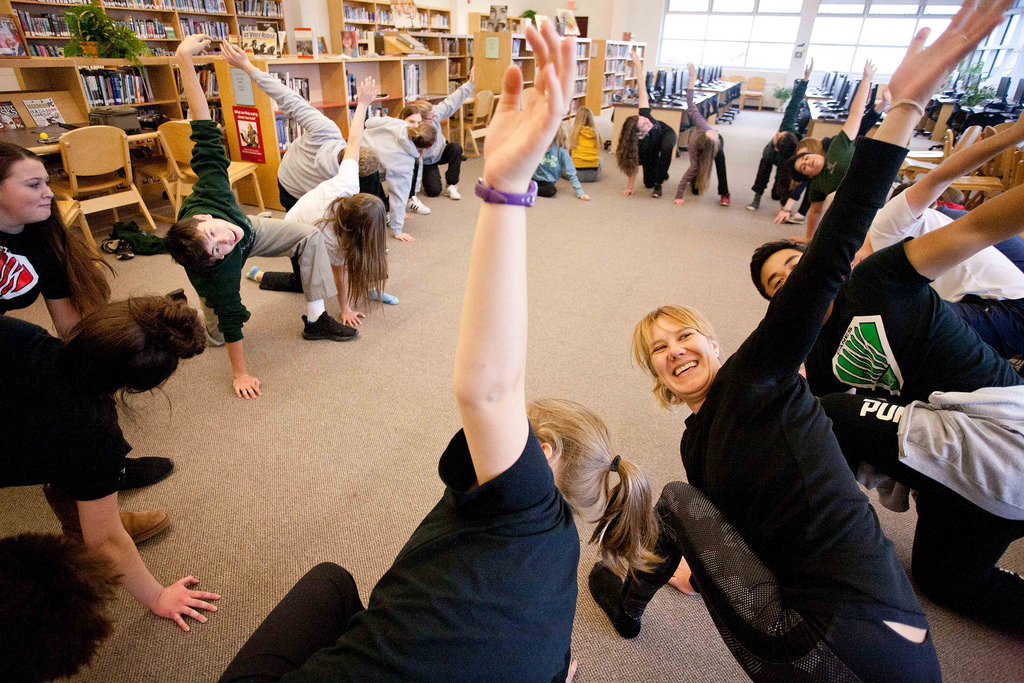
(493, 196)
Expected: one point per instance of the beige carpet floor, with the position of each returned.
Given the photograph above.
(338, 459)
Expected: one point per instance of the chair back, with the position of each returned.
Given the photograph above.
(969, 137)
(755, 84)
(947, 143)
(177, 136)
(734, 79)
(94, 151)
(482, 108)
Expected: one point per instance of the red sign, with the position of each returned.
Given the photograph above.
(250, 136)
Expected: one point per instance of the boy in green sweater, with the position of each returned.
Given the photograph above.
(213, 238)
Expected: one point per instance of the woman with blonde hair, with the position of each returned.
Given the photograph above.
(760, 449)
(489, 576)
(585, 146)
(706, 149)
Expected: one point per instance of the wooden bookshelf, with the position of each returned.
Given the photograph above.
(369, 17)
(161, 24)
(331, 89)
(581, 76)
(478, 23)
(611, 72)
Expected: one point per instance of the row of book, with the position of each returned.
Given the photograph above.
(43, 24)
(517, 46)
(581, 69)
(46, 50)
(263, 8)
(166, 5)
(359, 14)
(213, 6)
(149, 28)
(207, 79)
(581, 88)
(297, 85)
(217, 29)
(116, 86)
(362, 31)
(412, 81)
(216, 112)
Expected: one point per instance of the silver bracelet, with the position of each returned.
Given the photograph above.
(912, 103)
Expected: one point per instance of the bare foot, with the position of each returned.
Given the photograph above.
(681, 578)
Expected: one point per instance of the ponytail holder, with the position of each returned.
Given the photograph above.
(614, 467)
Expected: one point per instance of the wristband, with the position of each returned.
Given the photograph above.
(494, 196)
(912, 103)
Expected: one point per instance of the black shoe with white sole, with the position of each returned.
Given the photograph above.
(327, 327)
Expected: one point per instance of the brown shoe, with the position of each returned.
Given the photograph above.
(139, 525)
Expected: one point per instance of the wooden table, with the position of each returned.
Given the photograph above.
(674, 116)
(821, 127)
(29, 139)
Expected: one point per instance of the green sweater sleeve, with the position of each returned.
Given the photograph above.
(219, 287)
(793, 109)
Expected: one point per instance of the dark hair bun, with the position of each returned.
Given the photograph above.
(168, 324)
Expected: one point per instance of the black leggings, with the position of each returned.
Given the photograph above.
(313, 615)
(452, 156)
(956, 543)
(656, 162)
(747, 603)
(369, 184)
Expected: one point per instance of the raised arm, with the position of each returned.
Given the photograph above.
(365, 94)
(454, 102)
(198, 107)
(924, 192)
(860, 100)
(641, 80)
(794, 317)
(789, 119)
(490, 360)
(311, 120)
(692, 110)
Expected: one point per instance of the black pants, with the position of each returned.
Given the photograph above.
(770, 160)
(452, 156)
(313, 615)
(656, 162)
(956, 543)
(369, 184)
(747, 602)
(415, 175)
(546, 189)
(287, 200)
(723, 181)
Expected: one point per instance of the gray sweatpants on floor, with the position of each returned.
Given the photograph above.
(276, 237)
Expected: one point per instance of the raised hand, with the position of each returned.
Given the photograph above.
(869, 70)
(234, 55)
(517, 138)
(366, 91)
(177, 600)
(194, 44)
(923, 70)
(693, 73)
(809, 69)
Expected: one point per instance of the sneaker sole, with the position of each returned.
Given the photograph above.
(150, 533)
(750, 208)
(317, 337)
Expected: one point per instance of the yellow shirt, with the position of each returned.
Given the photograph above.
(585, 155)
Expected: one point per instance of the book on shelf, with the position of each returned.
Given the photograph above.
(412, 81)
(262, 40)
(296, 84)
(263, 8)
(46, 24)
(10, 119)
(11, 43)
(350, 43)
(44, 111)
(209, 6)
(106, 87)
(305, 43)
(190, 26)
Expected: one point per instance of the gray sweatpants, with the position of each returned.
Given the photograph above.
(276, 237)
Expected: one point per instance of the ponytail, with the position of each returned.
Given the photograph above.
(627, 525)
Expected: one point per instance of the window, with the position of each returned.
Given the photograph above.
(739, 33)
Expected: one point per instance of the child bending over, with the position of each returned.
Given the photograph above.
(706, 148)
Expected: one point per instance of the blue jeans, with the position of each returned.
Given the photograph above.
(1000, 322)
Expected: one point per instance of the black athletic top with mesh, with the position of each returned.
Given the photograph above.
(763, 451)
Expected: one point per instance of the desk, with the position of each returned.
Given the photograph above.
(820, 127)
(27, 138)
(726, 92)
(674, 116)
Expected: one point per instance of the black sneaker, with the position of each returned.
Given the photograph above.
(606, 589)
(327, 327)
(139, 472)
(177, 295)
(657, 191)
(756, 204)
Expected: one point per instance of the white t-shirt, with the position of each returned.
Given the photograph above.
(312, 206)
(987, 274)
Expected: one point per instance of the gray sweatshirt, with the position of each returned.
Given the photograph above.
(442, 111)
(313, 157)
(388, 137)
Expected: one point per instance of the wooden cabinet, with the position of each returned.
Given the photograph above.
(611, 72)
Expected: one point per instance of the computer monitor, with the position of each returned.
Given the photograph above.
(649, 82)
(718, 75)
(1018, 96)
(844, 91)
(1004, 88)
(659, 82)
(682, 82)
(872, 97)
(832, 83)
(670, 83)
(824, 80)
(700, 74)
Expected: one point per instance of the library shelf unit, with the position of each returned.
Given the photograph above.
(478, 23)
(331, 89)
(369, 17)
(512, 49)
(582, 75)
(611, 71)
(161, 24)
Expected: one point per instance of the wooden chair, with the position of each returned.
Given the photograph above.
(71, 213)
(754, 91)
(166, 170)
(481, 117)
(177, 138)
(935, 155)
(99, 169)
(969, 137)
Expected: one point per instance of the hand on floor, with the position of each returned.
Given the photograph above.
(678, 202)
(351, 318)
(404, 237)
(627, 192)
(177, 600)
(584, 197)
(247, 387)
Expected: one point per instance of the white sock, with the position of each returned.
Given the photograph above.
(314, 309)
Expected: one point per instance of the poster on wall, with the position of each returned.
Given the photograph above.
(404, 14)
(250, 137)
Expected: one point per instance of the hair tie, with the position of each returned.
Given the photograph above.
(910, 103)
(614, 467)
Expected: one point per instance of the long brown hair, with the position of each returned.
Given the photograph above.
(132, 346)
(627, 525)
(359, 222)
(86, 279)
(706, 151)
(627, 152)
(584, 118)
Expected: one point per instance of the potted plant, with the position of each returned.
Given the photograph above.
(95, 34)
(531, 15)
(782, 94)
(975, 92)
